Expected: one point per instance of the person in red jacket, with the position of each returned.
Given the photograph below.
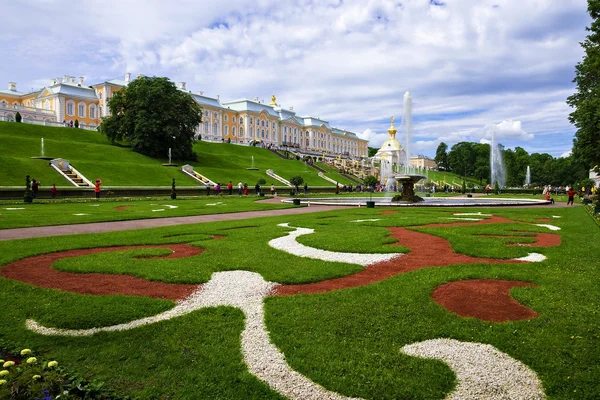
(97, 188)
(571, 194)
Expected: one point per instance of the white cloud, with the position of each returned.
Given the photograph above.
(466, 63)
(566, 154)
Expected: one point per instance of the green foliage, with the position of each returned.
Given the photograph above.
(28, 197)
(371, 180)
(441, 156)
(586, 99)
(587, 183)
(173, 190)
(152, 115)
(372, 151)
(296, 180)
(18, 117)
(76, 123)
(261, 181)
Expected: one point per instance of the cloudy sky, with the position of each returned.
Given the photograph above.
(473, 67)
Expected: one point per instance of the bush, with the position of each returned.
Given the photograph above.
(18, 117)
(28, 197)
(173, 191)
(261, 181)
(33, 378)
(76, 123)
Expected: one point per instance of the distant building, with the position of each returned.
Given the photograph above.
(421, 161)
(241, 121)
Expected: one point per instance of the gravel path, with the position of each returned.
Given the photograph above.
(59, 230)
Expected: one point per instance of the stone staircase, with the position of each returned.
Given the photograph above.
(351, 178)
(67, 170)
(279, 178)
(278, 153)
(192, 173)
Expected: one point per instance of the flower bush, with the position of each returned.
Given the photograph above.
(32, 378)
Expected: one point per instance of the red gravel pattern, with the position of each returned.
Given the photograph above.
(38, 271)
(485, 299)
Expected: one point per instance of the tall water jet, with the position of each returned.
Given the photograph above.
(169, 155)
(528, 177)
(408, 128)
(496, 162)
(42, 155)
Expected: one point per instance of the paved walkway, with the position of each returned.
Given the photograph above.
(59, 230)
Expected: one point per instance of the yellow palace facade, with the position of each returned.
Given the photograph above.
(244, 121)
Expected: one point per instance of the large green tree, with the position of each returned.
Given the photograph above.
(441, 156)
(586, 99)
(153, 116)
(461, 159)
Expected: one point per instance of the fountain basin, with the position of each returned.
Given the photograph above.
(426, 202)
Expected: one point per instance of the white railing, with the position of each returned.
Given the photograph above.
(279, 178)
(322, 175)
(34, 110)
(189, 171)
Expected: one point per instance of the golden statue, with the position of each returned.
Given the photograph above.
(273, 100)
(392, 119)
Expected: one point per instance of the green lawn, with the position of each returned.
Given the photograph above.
(349, 340)
(42, 213)
(92, 155)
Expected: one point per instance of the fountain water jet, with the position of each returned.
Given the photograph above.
(528, 177)
(42, 148)
(496, 162)
(407, 116)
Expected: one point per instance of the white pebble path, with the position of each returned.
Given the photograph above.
(482, 371)
(290, 245)
(551, 227)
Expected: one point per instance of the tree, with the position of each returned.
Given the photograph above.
(372, 151)
(441, 156)
(586, 99)
(152, 116)
(371, 181)
(76, 123)
(461, 159)
(296, 181)
(18, 117)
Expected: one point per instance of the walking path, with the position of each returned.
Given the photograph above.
(59, 230)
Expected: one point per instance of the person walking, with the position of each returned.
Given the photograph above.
(230, 188)
(571, 194)
(97, 188)
(305, 189)
(53, 191)
(257, 189)
(35, 186)
(240, 188)
(218, 189)
(272, 190)
(245, 189)
(208, 188)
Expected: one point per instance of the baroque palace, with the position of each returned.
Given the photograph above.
(67, 99)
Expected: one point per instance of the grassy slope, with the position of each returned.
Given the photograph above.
(329, 337)
(95, 157)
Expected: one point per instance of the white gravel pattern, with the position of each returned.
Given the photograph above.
(80, 214)
(246, 291)
(14, 208)
(556, 216)
(481, 370)
(366, 220)
(290, 245)
(551, 227)
(532, 257)
(465, 219)
(160, 209)
(168, 205)
(474, 213)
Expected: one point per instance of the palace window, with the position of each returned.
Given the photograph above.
(81, 110)
(100, 95)
(241, 131)
(226, 130)
(251, 120)
(273, 125)
(233, 118)
(251, 132)
(215, 128)
(92, 111)
(262, 123)
(206, 127)
(262, 134)
(70, 108)
(46, 105)
(225, 117)
(100, 111)
(241, 120)
(233, 131)
(215, 115)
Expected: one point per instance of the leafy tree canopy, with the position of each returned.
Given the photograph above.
(441, 156)
(586, 99)
(152, 115)
(372, 151)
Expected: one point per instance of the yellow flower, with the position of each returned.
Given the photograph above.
(8, 364)
(52, 364)
(1, 361)
(4, 372)
(31, 360)
(24, 352)
(2, 382)
(36, 377)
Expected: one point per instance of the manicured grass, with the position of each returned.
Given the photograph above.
(18, 214)
(92, 154)
(347, 340)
